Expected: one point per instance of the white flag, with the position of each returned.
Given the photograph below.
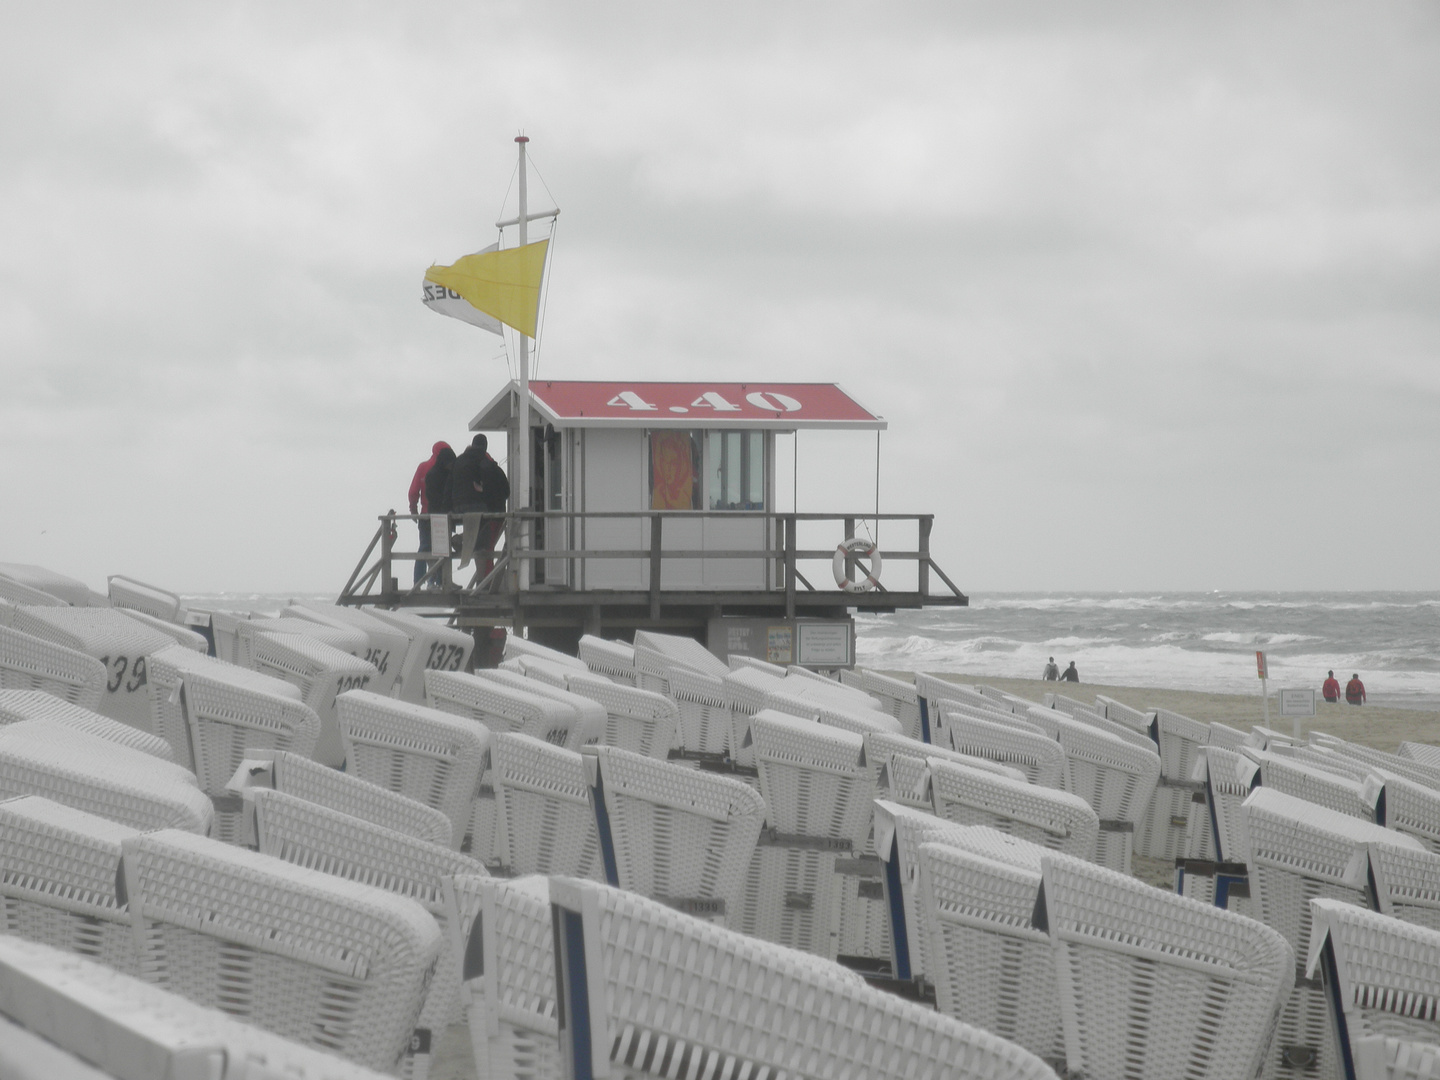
(449, 302)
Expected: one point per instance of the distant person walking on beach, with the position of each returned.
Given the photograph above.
(1331, 690)
(1355, 690)
(478, 484)
(1052, 673)
(1070, 675)
(418, 496)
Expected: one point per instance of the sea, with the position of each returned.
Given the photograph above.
(1182, 640)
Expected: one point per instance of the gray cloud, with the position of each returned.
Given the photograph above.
(1146, 292)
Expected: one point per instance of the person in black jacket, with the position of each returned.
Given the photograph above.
(478, 484)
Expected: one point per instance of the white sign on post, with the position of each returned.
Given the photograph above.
(1297, 703)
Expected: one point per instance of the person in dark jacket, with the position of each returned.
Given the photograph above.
(420, 501)
(478, 484)
(436, 496)
(1070, 674)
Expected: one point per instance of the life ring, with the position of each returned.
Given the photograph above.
(853, 548)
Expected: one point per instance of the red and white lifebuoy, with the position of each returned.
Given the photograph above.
(857, 548)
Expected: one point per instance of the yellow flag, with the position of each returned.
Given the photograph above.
(504, 284)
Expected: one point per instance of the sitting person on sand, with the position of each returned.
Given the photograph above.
(1331, 690)
(1355, 690)
(1052, 673)
(1070, 675)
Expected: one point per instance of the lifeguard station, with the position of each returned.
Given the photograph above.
(647, 504)
(655, 507)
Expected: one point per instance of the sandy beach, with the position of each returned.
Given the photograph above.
(1382, 728)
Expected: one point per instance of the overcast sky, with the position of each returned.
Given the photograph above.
(1148, 293)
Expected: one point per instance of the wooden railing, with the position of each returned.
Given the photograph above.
(781, 551)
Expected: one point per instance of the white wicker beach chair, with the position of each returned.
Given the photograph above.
(322, 672)
(14, 593)
(1056, 820)
(1117, 778)
(518, 646)
(613, 659)
(1424, 753)
(679, 835)
(1164, 832)
(1322, 786)
(17, 706)
(1013, 721)
(640, 721)
(1042, 760)
(1382, 977)
(899, 832)
(63, 588)
(545, 822)
(1004, 699)
(433, 647)
(180, 635)
(347, 640)
(646, 991)
(65, 1017)
(745, 690)
(506, 935)
(121, 644)
(325, 961)
(1383, 1057)
(591, 715)
(682, 651)
(801, 682)
(1405, 883)
(896, 696)
(736, 661)
(899, 766)
(58, 884)
(704, 725)
(833, 714)
(1215, 871)
(992, 968)
(387, 644)
(84, 771)
(1067, 705)
(1050, 722)
(1154, 985)
(1266, 739)
(312, 782)
(1117, 712)
(331, 842)
(1388, 764)
(1223, 735)
(430, 756)
(149, 600)
(818, 794)
(210, 712)
(501, 707)
(1299, 852)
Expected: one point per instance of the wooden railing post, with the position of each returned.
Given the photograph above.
(387, 545)
(655, 550)
(789, 566)
(849, 562)
(926, 521)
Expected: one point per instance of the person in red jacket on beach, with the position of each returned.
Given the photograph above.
(417, 497)
(1331, 690)
(1355, 690)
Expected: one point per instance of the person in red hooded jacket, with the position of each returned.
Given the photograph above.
(1355, 690)
(418, 498)
(1331, 690)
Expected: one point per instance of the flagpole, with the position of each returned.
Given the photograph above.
(520, 467)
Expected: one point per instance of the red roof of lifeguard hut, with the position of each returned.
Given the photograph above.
(780, 406)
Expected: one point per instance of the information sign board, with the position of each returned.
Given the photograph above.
(1297, 702)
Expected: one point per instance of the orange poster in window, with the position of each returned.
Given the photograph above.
(672, 471)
